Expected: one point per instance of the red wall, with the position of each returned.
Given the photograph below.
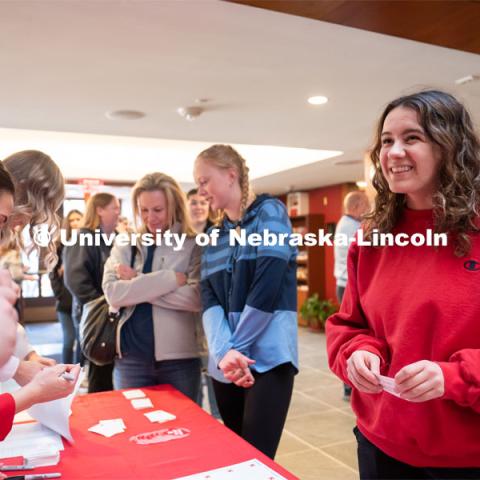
(328, 201)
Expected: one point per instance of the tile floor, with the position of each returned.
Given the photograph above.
(317, 442)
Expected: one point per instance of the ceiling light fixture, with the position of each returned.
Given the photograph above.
(124, 114)
(190, 113)
(317, 100)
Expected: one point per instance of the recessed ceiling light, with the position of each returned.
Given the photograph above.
(317, 100)
(124, 115)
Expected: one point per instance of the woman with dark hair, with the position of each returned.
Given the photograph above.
(64, 297)
(83, 272)
(411, 313)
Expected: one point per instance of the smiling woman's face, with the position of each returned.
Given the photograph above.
(410, 161)
(6, 207)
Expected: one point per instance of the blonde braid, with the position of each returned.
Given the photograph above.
(244, 185)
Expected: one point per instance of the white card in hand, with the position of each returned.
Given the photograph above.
(130, 394)
(160, 416)
(140, 403)
(388, 384)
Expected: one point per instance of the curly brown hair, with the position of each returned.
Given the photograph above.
(448, 125)
(39, 193)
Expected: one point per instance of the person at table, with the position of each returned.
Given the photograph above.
(63, 307)
(249, 297)
(159, 297)
(39, 386)
(411, 313)
(200, 213)
(83, 271)
(31, 192)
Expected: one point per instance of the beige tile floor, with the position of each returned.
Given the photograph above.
(317, 441)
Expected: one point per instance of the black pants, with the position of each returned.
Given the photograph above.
(258, 413)
(376, 465)
(100, 379)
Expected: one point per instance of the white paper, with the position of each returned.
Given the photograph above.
(140, 403)
(388, 384)
(131, 394)
(30, 440)
(249, 470)
(160, 416)
(55, 414)
(43, 458)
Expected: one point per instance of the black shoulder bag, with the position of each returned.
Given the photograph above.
(98, 328)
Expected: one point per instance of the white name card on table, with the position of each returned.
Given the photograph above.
(141, 403)
(160, 416)
(131, 394)
(252, 470)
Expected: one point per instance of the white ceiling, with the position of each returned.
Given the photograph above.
(64, 64)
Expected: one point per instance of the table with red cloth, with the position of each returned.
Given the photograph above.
(210, 445)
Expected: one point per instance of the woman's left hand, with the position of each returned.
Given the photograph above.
(420, 381)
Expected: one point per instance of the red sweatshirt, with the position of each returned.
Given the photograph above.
(407, 304)
(7, 412)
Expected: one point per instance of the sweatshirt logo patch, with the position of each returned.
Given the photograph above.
(472, 265)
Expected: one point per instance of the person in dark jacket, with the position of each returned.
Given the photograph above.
(83, 271)
(64, 297)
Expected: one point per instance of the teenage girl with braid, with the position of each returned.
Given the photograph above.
(249, 303)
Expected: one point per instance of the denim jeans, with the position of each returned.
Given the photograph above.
(68, 330)
(183, 374)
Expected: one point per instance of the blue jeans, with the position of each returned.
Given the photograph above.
(183, 374)
(68, 330)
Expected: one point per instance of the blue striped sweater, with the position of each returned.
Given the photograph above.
(249, 292)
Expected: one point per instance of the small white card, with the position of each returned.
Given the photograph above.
(114, 423)
(141, 403)
(131, 394)
(109, 428)
(160, 416)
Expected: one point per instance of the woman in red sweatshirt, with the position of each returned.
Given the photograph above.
(412, 313)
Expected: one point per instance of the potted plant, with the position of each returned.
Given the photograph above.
(316, 311)
(327, 308)
(310, 310)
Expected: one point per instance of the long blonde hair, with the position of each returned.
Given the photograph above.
(39, 193)
(91, 220)
(225, 157)
(176, 200)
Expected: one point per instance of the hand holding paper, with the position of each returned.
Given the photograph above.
(363, 369)
(420, 381)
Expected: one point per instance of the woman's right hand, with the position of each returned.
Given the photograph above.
(49, 384)
(362, 370)
(124, 272)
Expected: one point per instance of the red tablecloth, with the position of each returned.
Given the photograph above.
(210, 445)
